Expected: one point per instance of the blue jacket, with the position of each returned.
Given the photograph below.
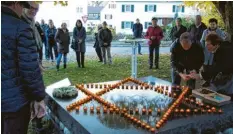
(44, 27)
(50, 34)
(21, 77)
(137, 30)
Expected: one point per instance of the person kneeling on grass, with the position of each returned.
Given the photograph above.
(186, 57)
(221, 71)
(63, 39)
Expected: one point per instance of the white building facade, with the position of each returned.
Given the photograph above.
(121, 15)
(69, 14)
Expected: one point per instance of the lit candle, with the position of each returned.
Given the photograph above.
(159, 112)
(147, 127)
(117, 110)
(85, 109)
(152, 130)
(105, 110)
(213, 109)
(220, 111)
(143, 111)
(143, 124)
(157, 126)
(98, 109)
(150, 111)
(136, 111)
(111, 110)
(209, 111)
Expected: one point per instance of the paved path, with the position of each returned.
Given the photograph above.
(116, 49)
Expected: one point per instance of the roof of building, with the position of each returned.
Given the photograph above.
(94, 9)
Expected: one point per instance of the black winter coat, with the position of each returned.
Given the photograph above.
(191, 59)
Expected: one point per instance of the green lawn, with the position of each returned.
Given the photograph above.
(97, 72)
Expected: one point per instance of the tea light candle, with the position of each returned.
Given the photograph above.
(131, 111)
(152, 130)
(131, 118)
(135, 120)
(111, 110)
(117, 110)
(209, 111)
(143, 124)
(92, 109)
(136, 111)
(174, 95)
(203, 111)
(182, 111)
(188, 111)
(195, 111)
(150, 111)
(159, 112)
(105, 110)
(207, 106)
(85, 109)
(143, 111)
(139, 122)
(213, 109)
(220, 111)
(125, 110)
(98, 109)
(147, 127)
(157, 126)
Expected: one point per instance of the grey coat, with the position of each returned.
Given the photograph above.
(77, 35)
(63, 40)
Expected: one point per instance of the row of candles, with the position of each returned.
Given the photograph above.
(171, 109)
(113, 108)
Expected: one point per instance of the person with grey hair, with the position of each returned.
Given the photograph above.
(177, 30)
(97, 45)
(197, 29)
(186, 57)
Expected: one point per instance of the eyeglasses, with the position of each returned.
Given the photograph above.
(33, 8)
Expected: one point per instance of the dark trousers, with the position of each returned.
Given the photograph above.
(98, 52)
(152, 48)
(205, 68)
(16, 122)
(53, 47)
(176, 79)
(41, 54)
(78, 56)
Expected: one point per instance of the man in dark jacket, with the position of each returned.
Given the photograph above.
(196, 30)
(44, 27)
(21, 77)
(221, 72)
(137, 32)
(105, 39)
(97, 45)
(186, 57)
(155, 34)
(177, 30)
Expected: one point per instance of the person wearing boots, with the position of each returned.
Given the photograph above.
(105, 39)
(97, 45)
(78, 43)
(62, 37)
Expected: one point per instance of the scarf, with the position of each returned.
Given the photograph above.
(35, 31)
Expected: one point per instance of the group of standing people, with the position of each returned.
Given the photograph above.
(201, 46)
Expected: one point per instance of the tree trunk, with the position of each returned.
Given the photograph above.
(225, 8)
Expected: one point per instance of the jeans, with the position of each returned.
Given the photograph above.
(78, 56)
(53, 47)
(59, 58)
(153, 48)
(139, 48)
(16, 122)
(108, 51)
(46, 51)
(98, 52)
(176, 79)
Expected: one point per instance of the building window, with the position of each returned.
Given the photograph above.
(79, 10)
(108, 16)
(147, 24)
(110, 26)
(112, 6)
(177, 8)
(150, 8)
(127, 8)
(126, 24)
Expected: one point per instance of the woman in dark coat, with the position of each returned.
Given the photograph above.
(78, 43)
(63, 39)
